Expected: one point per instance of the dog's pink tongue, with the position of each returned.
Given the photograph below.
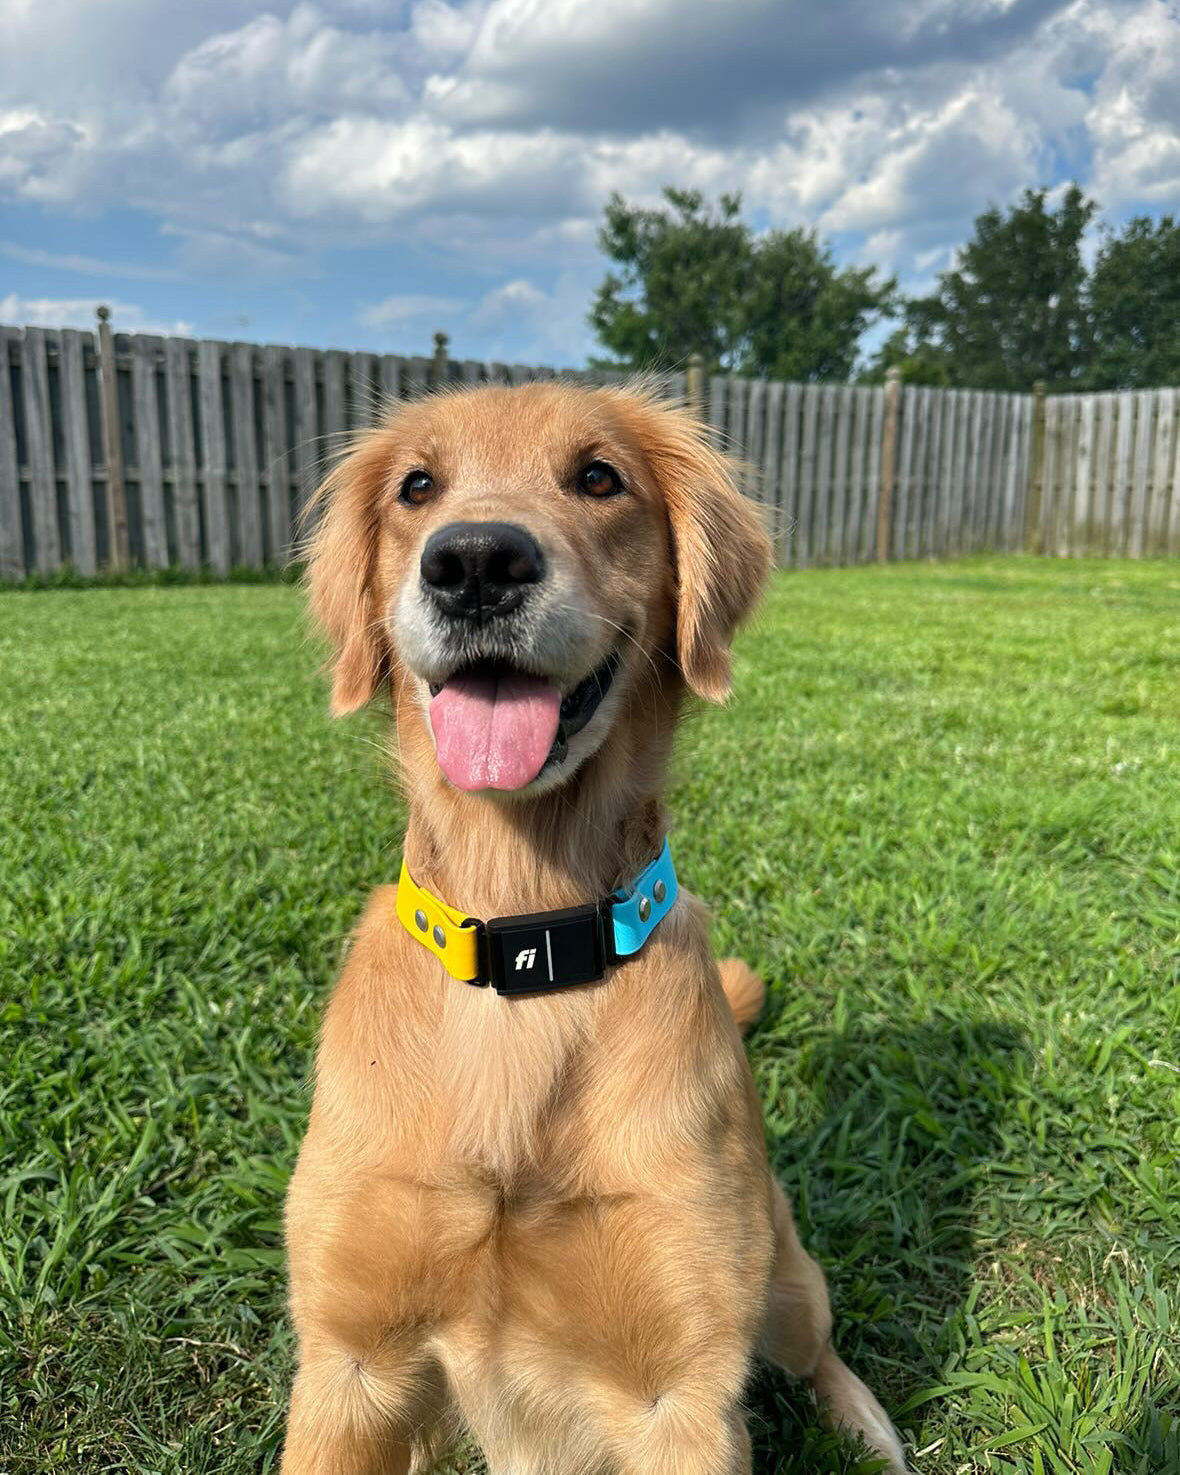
(494, 732)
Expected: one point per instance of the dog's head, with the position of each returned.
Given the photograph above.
(526, 563)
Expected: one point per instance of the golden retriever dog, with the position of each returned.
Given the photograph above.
(543, 1217)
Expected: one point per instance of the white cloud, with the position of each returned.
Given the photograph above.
(35, 148)
(444, 32)
(1134, 118)
(252, 250)
(493, 130)
(271, 70)
(508, 303)
(79, 312)
(86, 265)
(409, 307)
(533, 324)
(927, 148)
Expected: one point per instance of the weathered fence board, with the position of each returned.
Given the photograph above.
(717, 389)
(223, 445)
(801, 543)
(148, 458)
(276, 468)
(178, 380)
(753, 438)
(972, 481)
(930, 482)
(12, 552)
(334, 417)
(1121, 479)
(1144, 418)
(788, 497)
(868, 532)
(39, 440)
(214, 499)
(905, 464)
(245, 455)
(1083, 472)
(305, 437)
(964, 401)
(772, 457)
(79, 480)
(838, 501)
(856, 477)
(997, 407)
(1165, 433)
(1173, 544)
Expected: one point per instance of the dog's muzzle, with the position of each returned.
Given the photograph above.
(496, 630)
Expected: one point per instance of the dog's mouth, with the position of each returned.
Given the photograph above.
(497, 727)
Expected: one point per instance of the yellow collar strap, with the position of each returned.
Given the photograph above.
(541, 951)
(452, 936)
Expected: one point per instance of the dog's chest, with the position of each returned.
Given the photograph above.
(510, 1073)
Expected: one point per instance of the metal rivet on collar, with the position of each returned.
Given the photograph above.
(420, 920)
(440, 937)
(659, 891)
(644, 908)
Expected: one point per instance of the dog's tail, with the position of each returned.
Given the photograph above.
(744, 989)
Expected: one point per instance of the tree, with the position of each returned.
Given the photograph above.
(683, 275)
(803, 318)
(1134, 299)
(917, 363)
(1013, 310)
(693, 279)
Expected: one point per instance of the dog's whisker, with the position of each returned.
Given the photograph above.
(606, 620)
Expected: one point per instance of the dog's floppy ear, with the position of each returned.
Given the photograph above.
(721, 550)
(341, 565)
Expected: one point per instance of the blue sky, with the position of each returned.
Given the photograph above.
(359, 173)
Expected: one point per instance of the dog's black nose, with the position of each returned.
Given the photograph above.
(478, 570)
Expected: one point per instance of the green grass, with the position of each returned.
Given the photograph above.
(943, 817)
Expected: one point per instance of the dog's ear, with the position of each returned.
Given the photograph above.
(720, 547)
(341, 565)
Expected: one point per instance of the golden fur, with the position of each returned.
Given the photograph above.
(548, 1220)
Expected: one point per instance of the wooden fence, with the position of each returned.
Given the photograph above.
(1109, 475)
(895, 472)
(162, 451)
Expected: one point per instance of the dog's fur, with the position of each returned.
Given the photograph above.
(548, 1220)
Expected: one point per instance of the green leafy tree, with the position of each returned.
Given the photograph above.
(916, 363)
(1134, 298)
(694, 279)
(682, 275)
(804, 318)
(1013, 309)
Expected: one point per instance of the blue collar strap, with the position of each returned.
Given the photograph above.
(545, 950)
(636, 912)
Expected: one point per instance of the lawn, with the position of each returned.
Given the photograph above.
(942, 816)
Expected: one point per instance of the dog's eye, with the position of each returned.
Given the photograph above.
(417, 488)
(599, 480)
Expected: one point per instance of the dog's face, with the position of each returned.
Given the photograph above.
(524, 562)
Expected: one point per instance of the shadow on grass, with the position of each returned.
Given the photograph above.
(884, 1192)
(1154, 1446)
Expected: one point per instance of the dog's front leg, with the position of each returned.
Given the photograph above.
(680, 1434)
(353, 1416)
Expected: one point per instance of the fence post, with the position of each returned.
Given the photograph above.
(695, 385)
(440, 362)
(1036, 490)
(888, 461)
(118, 551)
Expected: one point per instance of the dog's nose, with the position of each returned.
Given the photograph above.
(478, 570)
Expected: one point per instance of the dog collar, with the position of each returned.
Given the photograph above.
(533, 953)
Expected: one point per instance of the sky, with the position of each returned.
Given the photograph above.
(361, 173)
